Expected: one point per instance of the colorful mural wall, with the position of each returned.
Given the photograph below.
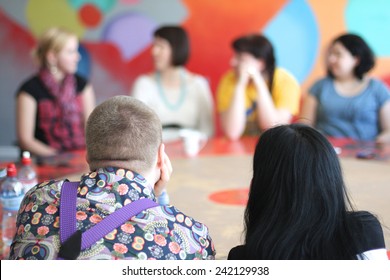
(116, 36)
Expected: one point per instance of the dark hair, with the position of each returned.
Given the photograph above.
(298, 205)
(261, 48)
(179, 42)
(358, 48)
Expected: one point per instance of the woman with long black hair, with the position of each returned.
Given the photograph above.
(298, 207)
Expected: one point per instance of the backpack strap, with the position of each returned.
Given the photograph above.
(68, 210)
(114, 220)
(73, 241)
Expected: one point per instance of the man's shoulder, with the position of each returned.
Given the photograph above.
(174, 215)
(49, 186)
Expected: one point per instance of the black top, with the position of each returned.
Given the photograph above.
(370, 232)
(49, 126)
(35, 87)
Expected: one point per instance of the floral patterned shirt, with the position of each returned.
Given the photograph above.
(161, 232)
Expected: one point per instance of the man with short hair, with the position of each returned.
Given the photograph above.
(128, 163)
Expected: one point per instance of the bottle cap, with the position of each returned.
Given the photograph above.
(26, 158)
(11, 170)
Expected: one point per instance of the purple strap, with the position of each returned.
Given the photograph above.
(114, 220)
(68, 209)
(108, 224)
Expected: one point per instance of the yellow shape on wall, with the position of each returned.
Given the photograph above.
(42, 15)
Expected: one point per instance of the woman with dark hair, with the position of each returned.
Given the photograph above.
(347, 103)
(298, 207)
(180, 98)
(255, 94)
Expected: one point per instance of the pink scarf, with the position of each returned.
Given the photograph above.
(65, 130)
(64, 94)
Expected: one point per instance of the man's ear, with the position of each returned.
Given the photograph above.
(87, 157)
(160, 155)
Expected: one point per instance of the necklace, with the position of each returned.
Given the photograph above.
(183, 92)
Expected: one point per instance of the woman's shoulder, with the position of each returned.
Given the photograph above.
(32, 85)
(282, 72)
(368, 228)
(377, 90)
(195, 78)
(284, 78)
(144, 87)
(324, 84)
(81, 79)
(30, 82)
(237, 253)
(147, 78)
(323, 81)
(364, 216)
(378, 84)
(81, 83)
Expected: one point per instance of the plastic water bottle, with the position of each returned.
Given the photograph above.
(3, 174)
(163, 199)
(11, 195)
(27, 175)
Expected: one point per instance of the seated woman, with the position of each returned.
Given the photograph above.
(347, 103)
(180, 98)
(53, 105)
(298, 206)
(255, 94)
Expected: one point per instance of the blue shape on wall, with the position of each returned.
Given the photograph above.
(371, 20)
(294, 34)
(84, 66)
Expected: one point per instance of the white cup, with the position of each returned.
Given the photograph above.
(193, 141)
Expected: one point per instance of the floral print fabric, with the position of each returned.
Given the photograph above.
(161, 232)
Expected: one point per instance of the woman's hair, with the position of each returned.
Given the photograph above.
(179, 42)
(54, 39)
(261, 48)
(298, 206)
(123, 128)
(359, 49)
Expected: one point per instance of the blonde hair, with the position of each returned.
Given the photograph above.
(123, 129)
(54, 39)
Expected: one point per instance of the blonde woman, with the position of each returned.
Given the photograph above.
(54, 104)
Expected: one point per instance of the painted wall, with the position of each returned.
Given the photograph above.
(116, 36)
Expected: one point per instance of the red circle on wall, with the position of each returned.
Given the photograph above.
(90, 15)
(231, 197)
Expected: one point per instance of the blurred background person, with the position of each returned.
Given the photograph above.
(255, 94)
(180, 98)
(54, 104)
(348, 103)
(298, 207)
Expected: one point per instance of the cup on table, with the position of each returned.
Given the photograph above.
(193, 141)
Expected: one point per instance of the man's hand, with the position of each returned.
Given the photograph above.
(166, 171)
